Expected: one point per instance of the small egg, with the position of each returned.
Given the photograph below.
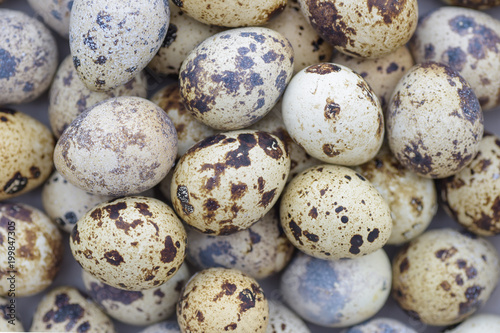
(8, 320)
(434, 121)
(37, 253)
(444, 276)
(227, 182)
(480, 323)
(28, 57)
(66, 309)
(219, 300)
(332, 212)
(381, 325)
(137, 307)
(283, 320)
(337, 293)
(163, 327)
(131, 243)
(333, 114)
(55, 14)
(235, 77)
(476, 4)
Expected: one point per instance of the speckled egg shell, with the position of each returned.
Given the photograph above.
(434, 121)
(443, 276)
(55, 14)
(381, 325)
(480, 323)
(337, 293)
(68, 96)
(219, 299)
(28, 54)
(468, 41)
(8, 320)
(471, 196)
(112, 41)
(38, 249)
(411, 198)
(137, 307)
(332, 212)
(66, 309)
(227, 182)
(184, 34)
(189, 130)
(25, 153)
(235, 77)
(163, 327)
(259, 251)
(476, 4)
(382, 74)
(333, 114)
(368, 29)
(121, 146)
(283, 320)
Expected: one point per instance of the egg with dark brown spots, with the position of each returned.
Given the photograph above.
(381, 325)
(479, 323)
(331, 212)
(55, 13)
(169, 326)
(227, 182)
(7, 317)
(283, 320)
(131, 243)
(219, 300)
(434, 121)
(444, 276)
(234, 78)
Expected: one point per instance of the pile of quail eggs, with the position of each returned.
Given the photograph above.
(250, 166)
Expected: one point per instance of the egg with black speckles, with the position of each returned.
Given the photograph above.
(131, 243)
(283, 320)
(479, 323)
(7, 317)
(55, 13)
(170, 326)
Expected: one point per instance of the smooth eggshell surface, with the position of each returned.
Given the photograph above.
(170, 326)
(480, 323)
(283, 320)
(381, 325)
(55, 14)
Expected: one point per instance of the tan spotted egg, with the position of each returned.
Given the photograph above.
(121, 146)
(149, 250)
(478, 323)
(227, 182)
(283, 320)
(112, 41)
(332, 212)
(219, 299)
(444, 276)
(333, 114)
(235, 77)
(67, 309)
(25, 153)
(55, 13)
(37, 253)
(9, 322)
(28, 57)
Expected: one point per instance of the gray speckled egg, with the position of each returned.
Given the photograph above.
(333, 114)
(55, 14)
(137, 307)
(444, 276)
(227, 182)
(381, 325)
(112, 41)
(337, 293)
(131, 243)
(28, 57)
(66, 309)
(170, 326)
(38, 249)
(468, 41)
(121, 146)
(332, 212)
(8, 319)
(434, 121)
(480, 323)
(235, 77)
(219, 299)
(283, 320)
(26, 153)
(68, 96)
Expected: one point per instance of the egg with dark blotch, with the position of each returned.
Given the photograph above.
(170, 326)
(283, 320)
(478, 323)
(381, 325)
(337, 293)
(55, 13)
(6, 317)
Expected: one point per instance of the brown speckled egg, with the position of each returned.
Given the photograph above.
(333, 114)
(382, 74)
(28, 57)
(468, 41)
(411, 198)
(121, 146)
(189, 129)
(9, 322)
(68, 96)
(363, 28)
(380, 325)
(169, 326)
(227, 182)
(434, 121)
(332, 212)
(219, 299)
(479, 323)
(472, 196)
(38, 249)
(66, 309)
(235, 77)
(112, 41)
(55, 14)
(25, 153)
(137, 307)
(443, 276)
(476, 4)
(283, 320)
(131, 243)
